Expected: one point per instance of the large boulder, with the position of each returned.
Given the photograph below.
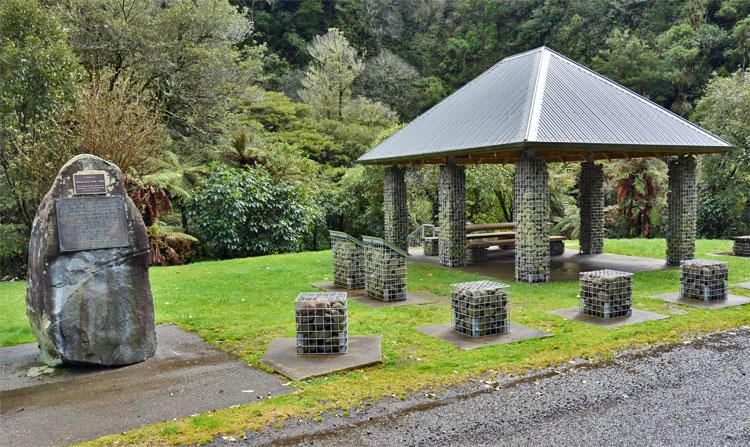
(88, 296)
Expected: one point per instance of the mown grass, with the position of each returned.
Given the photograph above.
(241, 305)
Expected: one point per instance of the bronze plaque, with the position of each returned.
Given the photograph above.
(86, 183)
(90, 223)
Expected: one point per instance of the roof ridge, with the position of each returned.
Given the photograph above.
(638, 97)
(431, 109)
(516, 56)
(537, 96)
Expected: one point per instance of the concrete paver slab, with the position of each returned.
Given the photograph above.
(359, 296)
(186, 376)
(517, 333)
(410, 300)
(731, 301)
(637, 316)
(283, 358)
(328, 286)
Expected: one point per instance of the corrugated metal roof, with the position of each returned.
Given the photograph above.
(539, 97)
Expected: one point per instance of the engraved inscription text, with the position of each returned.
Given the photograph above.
(90, 223)
(89, 183)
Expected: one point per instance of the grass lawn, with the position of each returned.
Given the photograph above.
(240, 305)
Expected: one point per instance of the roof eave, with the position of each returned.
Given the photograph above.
(606, 150)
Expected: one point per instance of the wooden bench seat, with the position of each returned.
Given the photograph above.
(491, 243)
(504, 242)
(504, 235)
(470, 228)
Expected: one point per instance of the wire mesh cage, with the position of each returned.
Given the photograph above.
(322, 326)
(476, 255)
(430, 245)
(591, 204)
(452, 215)
(606, 293)
(741, 246)
(348, 261)
(703, 280)
(385, 277)
(531, 198)
(556, 248)
(480, 308)
(681, 206)
(395, 216)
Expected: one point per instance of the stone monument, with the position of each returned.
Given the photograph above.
(88, 295)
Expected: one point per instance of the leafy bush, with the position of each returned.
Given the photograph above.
(242, 212)
(724, 180)
(168, 245)
(721, 215)
(13, 252)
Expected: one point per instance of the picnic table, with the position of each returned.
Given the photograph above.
(483, 236)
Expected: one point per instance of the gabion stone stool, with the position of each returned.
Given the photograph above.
(430, 245)
(475, 255)
(741, 246)
(703, 280)
(321, 323)
(480, 308)
(606, 293)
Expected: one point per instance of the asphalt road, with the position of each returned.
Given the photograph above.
(694, 394)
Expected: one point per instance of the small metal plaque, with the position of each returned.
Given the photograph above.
(90, 182)
(91, 223)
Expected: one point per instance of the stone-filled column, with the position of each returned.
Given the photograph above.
(452, 219)
(395, 219)
(681, 202)
(532, 217)
(591, 205)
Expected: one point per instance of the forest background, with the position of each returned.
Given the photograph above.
(237, 124)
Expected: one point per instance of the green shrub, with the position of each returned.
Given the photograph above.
(13, 252)
(243, 212)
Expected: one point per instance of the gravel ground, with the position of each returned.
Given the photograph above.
(692, 394)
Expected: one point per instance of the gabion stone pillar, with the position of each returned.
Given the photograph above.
(532, 216)
(591, 204)
(394, 207)
(681, 201)
(452, 198)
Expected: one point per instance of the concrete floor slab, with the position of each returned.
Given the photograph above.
(517, 333)
(328, 286)
(186, 376)
(566, 267)
(637, 316)
(731, 301)
(283, 358)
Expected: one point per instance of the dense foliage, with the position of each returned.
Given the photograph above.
(216, 107)
(242, 212)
